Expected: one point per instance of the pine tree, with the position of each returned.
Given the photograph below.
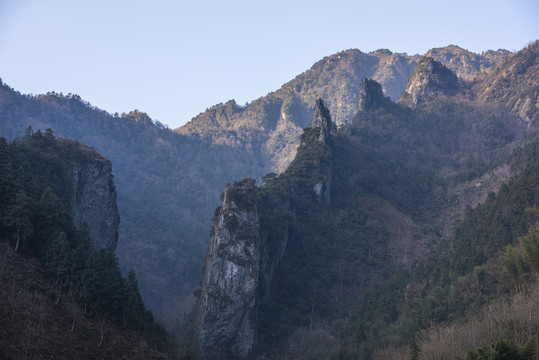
(19, 215)
(58, 257)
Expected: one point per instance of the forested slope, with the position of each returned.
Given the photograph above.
(61, 296)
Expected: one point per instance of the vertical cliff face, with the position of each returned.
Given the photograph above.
(94, 201)
(81, 178)
(322, 120)
(227, 307)
(248, 245)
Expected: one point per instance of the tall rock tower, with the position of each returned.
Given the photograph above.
(227, 307)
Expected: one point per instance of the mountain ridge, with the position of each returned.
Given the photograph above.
(166, 244)
(335, 79)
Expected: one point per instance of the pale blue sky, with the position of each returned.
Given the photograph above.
(173, 59)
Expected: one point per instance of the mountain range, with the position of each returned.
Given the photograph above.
(460, 117)
(355, 247)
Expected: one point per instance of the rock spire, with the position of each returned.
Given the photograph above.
(322, 120)
(371, 95)
(228, 304)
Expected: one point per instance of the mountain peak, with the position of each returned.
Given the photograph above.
(466, 64)
(138, 116)
(322, 120)
(371, 95)
(429, 79)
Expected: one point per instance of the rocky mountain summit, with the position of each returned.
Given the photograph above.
(371, 95)
(515, 83)
(274, 123)
(429, 79)
(466, 64)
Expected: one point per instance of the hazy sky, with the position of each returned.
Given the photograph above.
(173, 59)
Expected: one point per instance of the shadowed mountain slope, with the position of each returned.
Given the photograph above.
(168, 183)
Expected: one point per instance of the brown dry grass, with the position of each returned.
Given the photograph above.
(516, 320)
(40, 321)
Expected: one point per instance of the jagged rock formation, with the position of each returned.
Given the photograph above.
(429, 79)
(322, 122)
(515, 83)
(226, 318)
(180, 177)
(273, 124)
(393, 71)
(466, 64)
(371, 95)
(242, 259)
(93, 201)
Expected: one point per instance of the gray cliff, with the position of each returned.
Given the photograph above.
(227, 308)
(244, 254)
(322, 122)
(93, 200)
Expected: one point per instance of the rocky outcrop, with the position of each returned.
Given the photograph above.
(515, 84)
(227, 307)
(93, 200)
(371, 95)
(322, 122)
(245, 250)
(429, 80)
(466, 64)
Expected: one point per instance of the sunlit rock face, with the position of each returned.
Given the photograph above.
(227, 308)
(322, 121)
(429, 79)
